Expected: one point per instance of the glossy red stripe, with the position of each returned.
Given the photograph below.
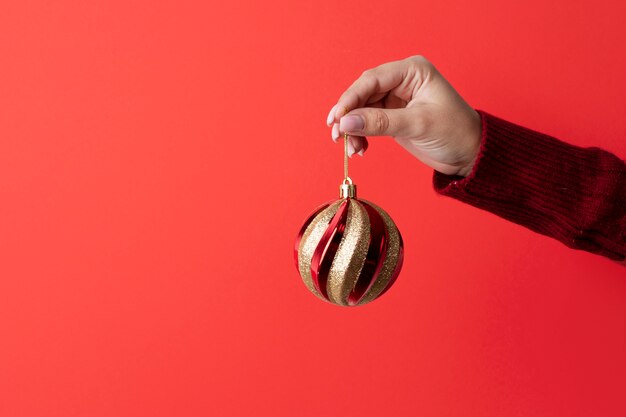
(376, 255)
(303, 229)
(398, 267)
(327, 248)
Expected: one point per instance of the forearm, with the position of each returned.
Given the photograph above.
(573, 194)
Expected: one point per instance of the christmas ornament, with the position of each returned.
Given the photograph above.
(349, 251)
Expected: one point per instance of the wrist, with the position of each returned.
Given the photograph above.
(472, 141)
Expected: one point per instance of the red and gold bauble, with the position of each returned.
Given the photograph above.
(349, 251)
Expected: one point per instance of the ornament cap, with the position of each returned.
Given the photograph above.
(347, 189)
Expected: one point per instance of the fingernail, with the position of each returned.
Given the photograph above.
(335, 132)
(331, 115)
(351, 124)
(361, 152)
(350, 149)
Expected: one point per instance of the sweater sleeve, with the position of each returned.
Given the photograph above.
(575, 195)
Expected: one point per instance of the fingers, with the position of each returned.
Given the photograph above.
(369, 87)
(356, 144)
(397, 76)
(331, 115)
(376, 121)
(350, 147)
(381, 122)
(360, 144)
(373, 104)
(335, 132)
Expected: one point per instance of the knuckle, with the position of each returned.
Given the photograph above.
(419, 58)
(346, 97)
(420, 61)
(368, 75)
(348, 101)
(380, 122)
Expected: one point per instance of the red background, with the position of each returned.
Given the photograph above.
(158, 158)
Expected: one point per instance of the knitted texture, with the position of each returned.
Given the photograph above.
(575, 195)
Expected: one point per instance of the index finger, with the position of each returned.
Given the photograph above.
(370, 87)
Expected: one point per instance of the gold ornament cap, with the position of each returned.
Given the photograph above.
(347, 189)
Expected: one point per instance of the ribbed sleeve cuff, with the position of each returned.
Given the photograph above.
(573, 194)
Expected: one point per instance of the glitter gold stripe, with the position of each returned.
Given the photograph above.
(327, 247)
(350, 256)
(303, 229)
(309, 241)
(396, 271)
(393, 262)
(375, 257)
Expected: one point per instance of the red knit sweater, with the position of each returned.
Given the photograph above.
(573, 194)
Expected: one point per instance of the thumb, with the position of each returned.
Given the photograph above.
(371, 121)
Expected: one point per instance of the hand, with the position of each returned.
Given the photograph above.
(412, 102)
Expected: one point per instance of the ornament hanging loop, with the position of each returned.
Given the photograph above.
(347, 189)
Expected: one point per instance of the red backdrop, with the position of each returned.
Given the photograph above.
(158, 158)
